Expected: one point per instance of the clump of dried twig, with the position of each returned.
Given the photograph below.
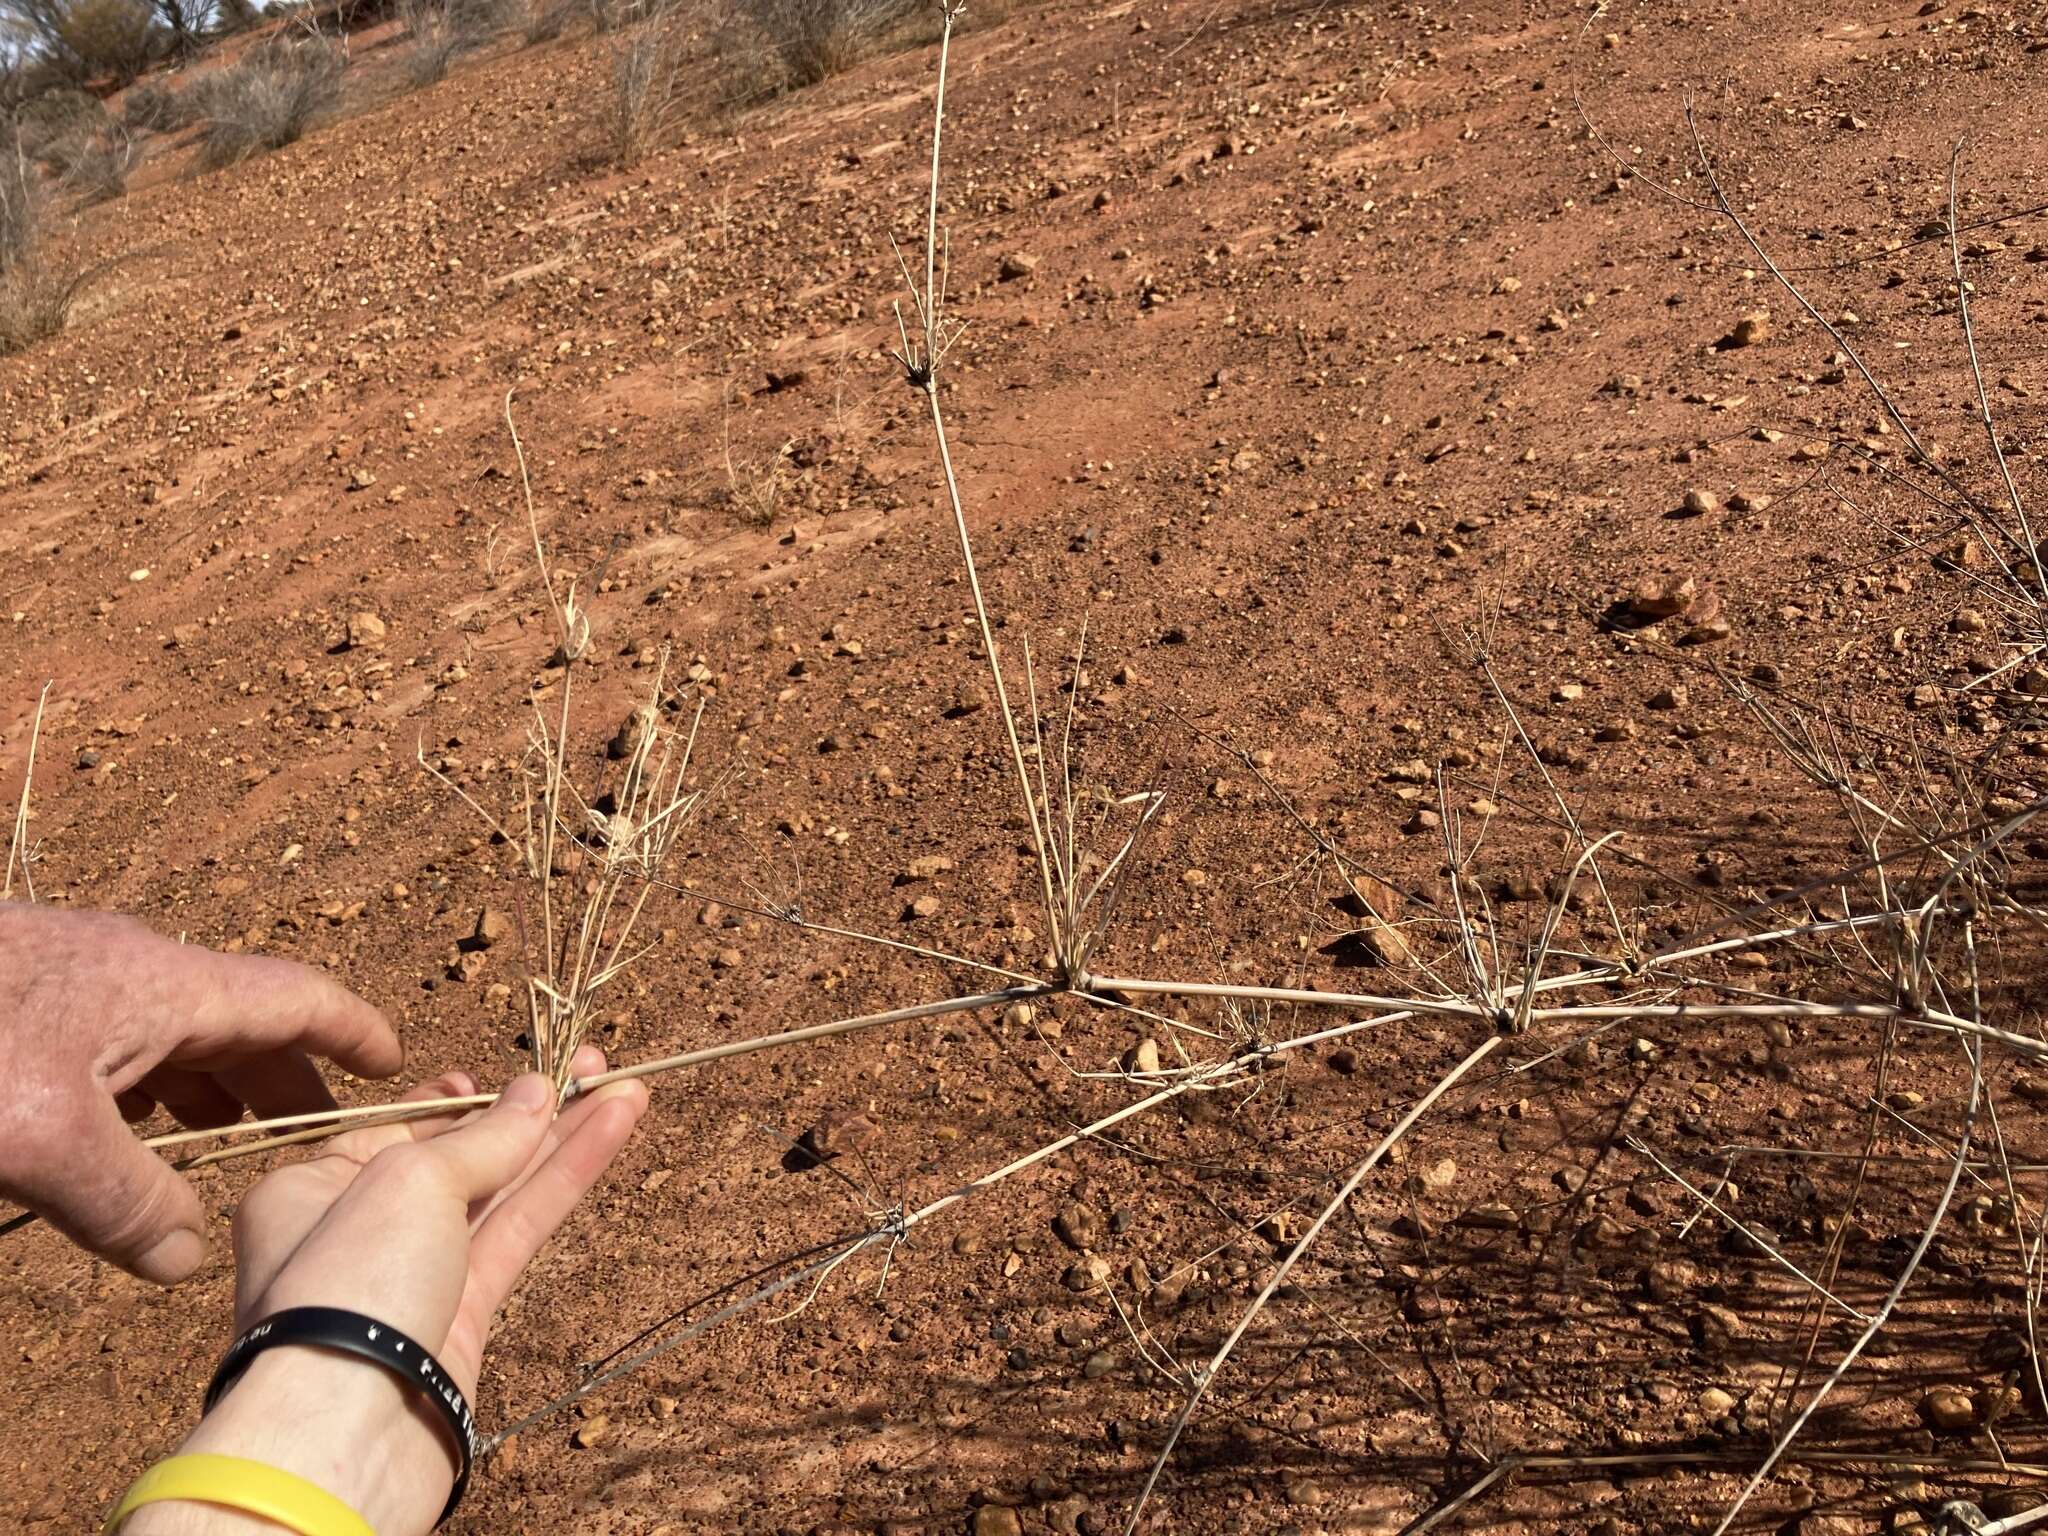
(617, 844)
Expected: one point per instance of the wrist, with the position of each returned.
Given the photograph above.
(346, 1425)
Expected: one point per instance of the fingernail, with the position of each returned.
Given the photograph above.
(530, 1093)
(174, 1257)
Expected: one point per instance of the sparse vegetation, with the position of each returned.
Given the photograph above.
(440, 30)
(767, 47)
(95, 166)
(18, 201)
(1869, 937)
(36, 297)
(56, 115)
(155, 106)
(270, 99)
(645, 106)
(112, 38)
(544, 20)
(816, 39)
(35, 293)
(615, 15)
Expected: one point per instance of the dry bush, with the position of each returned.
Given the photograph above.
(608, 16)
(36, 293)
(435, 41)
(645, 107)
(52, 116)
(95, 166)
(442, 29)
(19, 201)
(155, 107)
(36, 296)
(233, 16)
(766, 47)
(118, 38)
(204, 94)
(270, 99)
(544, 20)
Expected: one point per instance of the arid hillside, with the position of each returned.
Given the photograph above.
(1436, 497)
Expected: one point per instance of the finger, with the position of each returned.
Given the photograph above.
(362, 1145)
(119, 1199)
(513, 1233)
(486, 1152)
(193, 1098)
(238, 1004)
(279, 1214)
(277, 1083)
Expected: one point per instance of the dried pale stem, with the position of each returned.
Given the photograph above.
(18, 849)
(1709, 1203)
(333, 1122)
(574, 630)
(2028, 546)
(921, 362)
(891, 1231)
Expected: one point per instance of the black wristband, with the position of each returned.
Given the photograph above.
(354, 1334)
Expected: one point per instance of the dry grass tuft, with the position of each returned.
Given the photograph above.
(36, 297)
(36, 292)
(545, 20)
(96, 167)
(155, 107)
(592, 859)
(646, 107)
(440, 31)
(270, 99)
(782, 45)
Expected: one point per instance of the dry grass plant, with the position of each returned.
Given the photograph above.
(36, 291)
(271, 98)
(648, 102)
(614, 845)
(95, 168)
(155, 106)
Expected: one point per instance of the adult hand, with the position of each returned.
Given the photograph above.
(101, 1020)
(425, 1226)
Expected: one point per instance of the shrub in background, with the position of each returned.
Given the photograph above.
(95, 165)
(155, 107)
(270, 99)
(116, 38)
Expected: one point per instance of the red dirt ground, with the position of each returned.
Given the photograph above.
(1345, 355)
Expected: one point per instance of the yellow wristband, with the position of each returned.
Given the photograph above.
(250, 1486)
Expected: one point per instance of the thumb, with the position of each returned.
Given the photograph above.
(125, 1203)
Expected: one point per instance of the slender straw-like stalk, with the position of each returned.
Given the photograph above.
(1891, 1300)
(2029, 547)
(812, 1032)
(339, 1119)
(18, 850)
(332, 1122)
(921, 361)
